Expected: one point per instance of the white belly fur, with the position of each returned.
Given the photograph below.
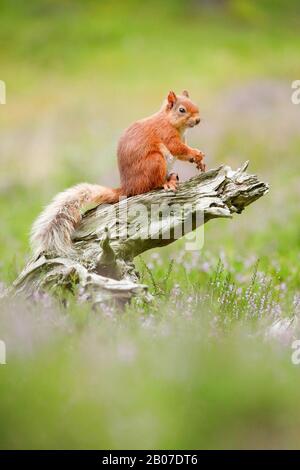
(170, 159)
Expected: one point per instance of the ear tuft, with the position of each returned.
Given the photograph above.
(171, 99)
(185, 93)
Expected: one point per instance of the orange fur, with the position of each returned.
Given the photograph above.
(142, 153)
(141, 156)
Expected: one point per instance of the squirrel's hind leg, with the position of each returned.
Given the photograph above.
(152, 173)
(171, 183)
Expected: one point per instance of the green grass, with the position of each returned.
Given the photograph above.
(198, 367)
(195, 369)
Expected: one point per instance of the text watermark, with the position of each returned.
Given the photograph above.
(295, 98)
(2, 352)
(156, 221)
(2, 92)
(295, 358)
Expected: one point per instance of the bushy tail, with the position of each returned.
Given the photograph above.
(53, 229)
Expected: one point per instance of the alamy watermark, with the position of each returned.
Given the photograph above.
(2, 352)
(156, 221)
(295, 98)
(295, 358)
(2, 92)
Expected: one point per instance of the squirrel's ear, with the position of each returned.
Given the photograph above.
(185, 93)
(171, 99)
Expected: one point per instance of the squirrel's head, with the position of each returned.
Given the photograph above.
(181, 111)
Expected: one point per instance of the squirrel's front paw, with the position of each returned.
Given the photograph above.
(197, 158)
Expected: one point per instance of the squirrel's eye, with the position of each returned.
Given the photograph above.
(181, 110)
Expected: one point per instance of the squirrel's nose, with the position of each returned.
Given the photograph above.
(197, 121)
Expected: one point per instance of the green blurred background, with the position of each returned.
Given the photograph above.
(183, 372)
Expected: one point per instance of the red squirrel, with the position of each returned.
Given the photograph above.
(143, 150)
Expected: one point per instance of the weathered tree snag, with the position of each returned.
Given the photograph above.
(110, 236)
